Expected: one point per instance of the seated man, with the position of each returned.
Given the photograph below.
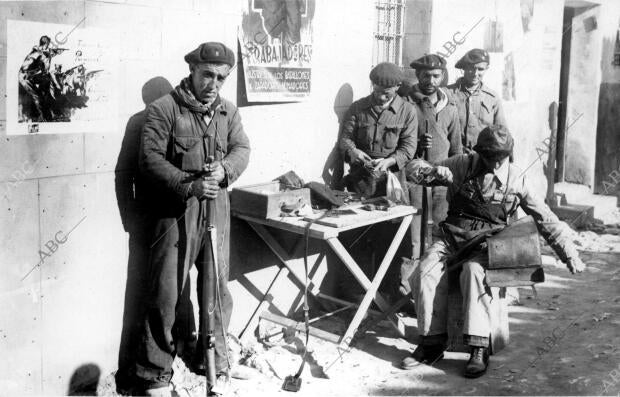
(484, 190)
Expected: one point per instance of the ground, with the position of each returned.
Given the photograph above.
(564, 340)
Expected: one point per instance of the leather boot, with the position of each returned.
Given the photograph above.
(429, 355)
(478, 362)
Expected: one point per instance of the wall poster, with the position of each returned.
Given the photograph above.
(60, 79)
(276, 49)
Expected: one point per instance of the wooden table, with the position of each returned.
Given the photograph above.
(330, 235)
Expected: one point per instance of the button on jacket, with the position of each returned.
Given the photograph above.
(393, 133)
(477, 110)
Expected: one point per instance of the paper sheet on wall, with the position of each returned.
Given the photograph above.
(276, 49)
(60, 78)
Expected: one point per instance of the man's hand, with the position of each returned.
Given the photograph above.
(202, 188)
(215, 170)
(443, 174)
(426, 141)
(382, 165)
(575, 265)
(209, 185)
(359, 157)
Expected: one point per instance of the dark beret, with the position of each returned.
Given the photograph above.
(472, 57)
(211, 52)
(494, 140)
(429, 61)
(386, 74)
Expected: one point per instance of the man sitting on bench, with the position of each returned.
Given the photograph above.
(484, 190)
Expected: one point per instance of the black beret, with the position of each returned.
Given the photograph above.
(386, 74)
(211, 52)
(429, 61)
(472, 57)
(494, 140)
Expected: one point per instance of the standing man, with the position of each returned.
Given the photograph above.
(379, 134)
(182, 130)
(437, 111)
(478, 105)
(380, 131)
(484, 190)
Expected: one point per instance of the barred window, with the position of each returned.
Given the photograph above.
(389, 31)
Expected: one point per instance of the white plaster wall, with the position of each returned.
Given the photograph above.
(68, 312)
(537, 64)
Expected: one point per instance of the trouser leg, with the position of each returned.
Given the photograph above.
(170, 256)
(134, 306)
(429, 287)
(476, 303)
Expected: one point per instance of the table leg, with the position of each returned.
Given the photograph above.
(283, 256)
(371, 287)
(264, 304)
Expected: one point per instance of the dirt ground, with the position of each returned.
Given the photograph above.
(564, 340)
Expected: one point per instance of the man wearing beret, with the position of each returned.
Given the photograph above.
(193, 146)
(484, 190)
(478, 105)
(439, 131)
(379, 134)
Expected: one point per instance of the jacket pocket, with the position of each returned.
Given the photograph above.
(391, 135)
(364, 135)
(485, 113)
(188, 153)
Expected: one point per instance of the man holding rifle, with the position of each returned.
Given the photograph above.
(193, 146)
(439, 137)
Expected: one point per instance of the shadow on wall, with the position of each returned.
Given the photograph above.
(333, 170)
(84, 380)
(131, 200)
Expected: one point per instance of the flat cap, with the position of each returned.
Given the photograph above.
(386, 74)
(429, 61)
(494, 140)
(472, 57)
(211, 52)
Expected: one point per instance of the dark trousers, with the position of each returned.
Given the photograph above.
(177, 244)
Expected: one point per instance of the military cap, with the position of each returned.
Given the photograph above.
(494, 140)
(429, 61)
(211, 52)
(472, 57)
(386, 74)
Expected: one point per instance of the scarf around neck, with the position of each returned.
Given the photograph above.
(185, 97)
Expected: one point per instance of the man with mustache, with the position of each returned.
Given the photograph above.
(437, 111)
(478, 105)
(484, 191)
(182, 130)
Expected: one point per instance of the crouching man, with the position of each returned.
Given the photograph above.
(484, 190)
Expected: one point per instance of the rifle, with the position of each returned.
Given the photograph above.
(426, 227)
(210, 278)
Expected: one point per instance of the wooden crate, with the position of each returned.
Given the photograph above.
(265, 200)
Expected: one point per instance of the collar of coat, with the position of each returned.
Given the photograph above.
(418, 97)
(185, 97)
(395, 105)
(481, 88)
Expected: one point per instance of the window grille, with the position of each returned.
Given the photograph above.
(389, 31)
